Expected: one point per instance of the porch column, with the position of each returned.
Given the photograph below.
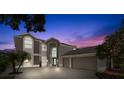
(70, 62)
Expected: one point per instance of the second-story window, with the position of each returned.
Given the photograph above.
(54, 52)
(28, 42)
(44, 47)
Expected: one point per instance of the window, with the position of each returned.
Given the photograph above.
(44, 47)
(54, 52)
(28, 42)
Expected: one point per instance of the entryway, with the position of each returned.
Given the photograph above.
(54, 63)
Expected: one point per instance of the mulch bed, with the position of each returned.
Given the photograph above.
(110, 75)
(15, 73)
(7, 77)
(10, 75)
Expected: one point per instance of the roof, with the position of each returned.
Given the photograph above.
(60, 42)
(81, 51)
(27, 34)
(54, 39)
(69, 45)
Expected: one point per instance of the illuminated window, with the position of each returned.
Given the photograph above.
(44, 47)
(54, 52)
(28, 42)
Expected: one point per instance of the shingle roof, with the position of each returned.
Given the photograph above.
(45, 41)
(69, 45)
(81, 51)
(27, 34)
(54, 39)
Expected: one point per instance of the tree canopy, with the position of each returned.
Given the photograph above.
(32, 22)
(113, 47)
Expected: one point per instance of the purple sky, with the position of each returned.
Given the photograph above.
(75, 29)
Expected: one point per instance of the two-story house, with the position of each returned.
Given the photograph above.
(45, 52)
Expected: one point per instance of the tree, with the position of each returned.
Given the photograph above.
(12, 57)
(32, 22)
(21, 57)
(103, 51)
(3, 62)
(17, 58)
(112, 47)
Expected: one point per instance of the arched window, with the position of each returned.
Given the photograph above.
(28, 42)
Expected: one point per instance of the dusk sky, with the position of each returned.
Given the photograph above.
(75, 29)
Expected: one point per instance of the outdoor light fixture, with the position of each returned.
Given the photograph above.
(26, 60)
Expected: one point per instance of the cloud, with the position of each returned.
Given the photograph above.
(81, 35)
(88, 42)
(92, 38)
(106, 30)
(6, 46)
(2, 42)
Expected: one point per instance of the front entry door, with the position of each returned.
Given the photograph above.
(54, 62)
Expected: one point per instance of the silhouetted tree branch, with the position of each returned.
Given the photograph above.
(32, 22)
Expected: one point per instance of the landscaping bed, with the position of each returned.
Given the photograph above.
(7, 77)
(110, 75)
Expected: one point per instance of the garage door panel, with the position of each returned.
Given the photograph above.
(84, 63)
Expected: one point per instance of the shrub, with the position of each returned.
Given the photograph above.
(2, 66)
(3, 62)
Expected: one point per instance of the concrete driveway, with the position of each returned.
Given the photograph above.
(55, 73)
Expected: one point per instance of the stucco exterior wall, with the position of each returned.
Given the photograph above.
(101, 65)
(62, 50)
(66, 62)
(18, 43)
(43, 54)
